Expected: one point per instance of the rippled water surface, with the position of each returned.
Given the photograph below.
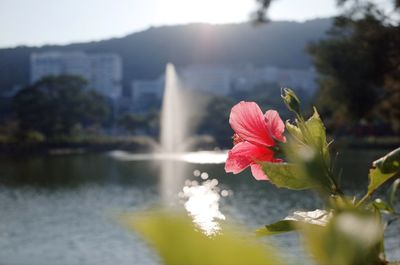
(64, 209)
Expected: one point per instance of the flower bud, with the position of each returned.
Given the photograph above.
(291, 100)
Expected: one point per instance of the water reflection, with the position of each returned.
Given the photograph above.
(202, 203)
(200, 198)
(171, 181)
(201, 157)
(61, 209)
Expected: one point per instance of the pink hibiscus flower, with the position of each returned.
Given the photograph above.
(254, 136)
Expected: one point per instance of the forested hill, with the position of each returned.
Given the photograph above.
(145, 53)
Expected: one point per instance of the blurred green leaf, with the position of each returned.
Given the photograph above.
(383, 169)
(350, 238)
(295, 221)
(282, 226)
(382, 205)
(284, 175)
(377, 178)
(176, 240)
(390, 163)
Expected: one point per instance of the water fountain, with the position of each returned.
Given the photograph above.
(202, 201)
(172, 155)
(179, 106)
(173, 114)
(172, 135)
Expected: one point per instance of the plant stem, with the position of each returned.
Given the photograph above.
(363, 199)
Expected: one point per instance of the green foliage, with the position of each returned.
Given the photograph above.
(348, 232)
(54, 105)
(294, 132)
(282, 226)
(296, 221)
(350, 77)
(381, 205)
(383, 169)
(215, 121)
(34, 137)
(377, 178)
(307, 151)
(178, 242)
(389, 163)
(353, 235)
(314, 134)
(133, 122)
(288, 176)
(350, 238)
(358, 67)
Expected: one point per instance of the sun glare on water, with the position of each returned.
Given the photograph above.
(201, 157)
(201, 201)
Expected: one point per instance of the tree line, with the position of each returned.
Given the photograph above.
(358, 65)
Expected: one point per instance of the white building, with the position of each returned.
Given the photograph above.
(213, 79)
(107, 74)
(295, 78)
(102, 71)
(222, 80)
(245, 78)
(145, 90)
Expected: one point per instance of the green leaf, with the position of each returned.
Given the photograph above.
(295, 221)
(350, 238)
(390, 163)
(294, 131)
(284, 175)
(382, 170)
(382, 205)
(178, 242)
(315, 135)
(312, 132)
(282, 226)
(377, 178)
(316, 128)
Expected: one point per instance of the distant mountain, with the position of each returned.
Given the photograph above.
(145, 53)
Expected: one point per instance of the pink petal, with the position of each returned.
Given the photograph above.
(248, 122)
(258, 173)
(275, 125)
(244, 154)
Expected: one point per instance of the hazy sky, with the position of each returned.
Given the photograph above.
(38, 22)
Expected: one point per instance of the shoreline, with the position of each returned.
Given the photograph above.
(76, 147)
(146, 144)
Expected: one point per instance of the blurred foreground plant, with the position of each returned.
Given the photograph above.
(352, 230)
(348, 231)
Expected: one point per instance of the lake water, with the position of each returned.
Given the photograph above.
(64, 209)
